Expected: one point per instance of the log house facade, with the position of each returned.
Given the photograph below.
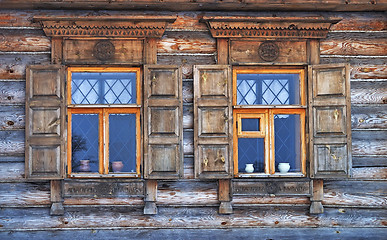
(188, 122)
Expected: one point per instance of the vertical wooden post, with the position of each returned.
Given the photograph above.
(151, 50)
(224, 195)
(56, 50)
(150, 197)
(56, 198)
(222, 49)
(316, 206)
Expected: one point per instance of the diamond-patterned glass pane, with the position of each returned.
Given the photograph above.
(268, 89)
(122, 143)
(251, 151)
(103, 88)
(287, 141)
(84, 143)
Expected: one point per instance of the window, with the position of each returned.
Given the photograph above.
(103, 107)
(269, 121)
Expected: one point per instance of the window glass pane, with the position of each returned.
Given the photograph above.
(288, 141)
(251, 151)
(84, 143)
(268, 89)
(122, 143)
(103, 88)
(250, 124)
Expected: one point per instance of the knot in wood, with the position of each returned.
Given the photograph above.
(104, 50)
(268, 51)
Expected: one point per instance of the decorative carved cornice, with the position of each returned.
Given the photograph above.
(269, 27)
(102, 26)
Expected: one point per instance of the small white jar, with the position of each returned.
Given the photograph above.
(284, 167)
(249, 168)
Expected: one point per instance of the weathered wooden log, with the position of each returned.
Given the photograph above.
(12, 92)
(369, 72)
(365, 92)
(203, 217)
(13, 66)
(186, 42)
(25, 194)
(369, 161)
(12, 118)
(24, 41)
(367, 47)
(369, 117)
(11, 171)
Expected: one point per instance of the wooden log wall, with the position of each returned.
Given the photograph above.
(359, 39)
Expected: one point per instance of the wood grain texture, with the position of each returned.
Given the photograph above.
(370, 117)
(12, 118)
(369, 143)
(11, 171)
(369, 92)
(203, 217)
(186, 42)
(24, 41)
(369, 72)
(24, 194)
(370, 173)
(369, 161)
(12, 142)
(354, 47)
(13, 66)
(12, 92)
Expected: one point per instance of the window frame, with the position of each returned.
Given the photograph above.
(103, 111)
(268, 111)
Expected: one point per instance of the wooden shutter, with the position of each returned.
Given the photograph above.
(329, 121)
(45, 122)
(163, 111)
(213, 121)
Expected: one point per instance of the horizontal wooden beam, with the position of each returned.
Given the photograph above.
(210, 5)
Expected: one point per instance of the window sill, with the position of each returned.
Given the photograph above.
(275, 175)
(96, 175)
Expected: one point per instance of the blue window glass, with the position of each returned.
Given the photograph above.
(251, 151)
(250, 124)
(84, 143)
(287, 141)
(122, 143)
(103, 88)
(268, 89)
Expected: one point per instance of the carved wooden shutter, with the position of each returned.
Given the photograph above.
(163, 111)
(45, 122)
(213, 121)
(329, 121)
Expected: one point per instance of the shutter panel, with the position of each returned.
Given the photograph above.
(213, 122)
(45, 122)
(329, 121)
(163, 111)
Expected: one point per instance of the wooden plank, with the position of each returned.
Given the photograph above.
(186, 61)
(84, 51)
(369, 161)
(187, 21)
(235, 233)
(13, 66)
(369, 117)
(369, 72)
(270, 187)
(201, 217)
(11, 171)
(355, 193)
(132, 201)
(187, 116)
(360, 21)
(356, 47)
(188, 168)
(188, 193)
(369, 143)
(12, 142)
(241, 201)
(363, 92)
(24, 41)
(12, 118)
(186, 42)
(25, 194)
(12, 92)
(370, 173)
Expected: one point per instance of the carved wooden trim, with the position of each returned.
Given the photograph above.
(140, 26)
(269, 27)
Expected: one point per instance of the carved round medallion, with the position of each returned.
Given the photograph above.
(104, 50)
(268, 51)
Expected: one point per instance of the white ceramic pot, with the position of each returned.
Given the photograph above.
(284, 167)
(117, 166)
(249, 168)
